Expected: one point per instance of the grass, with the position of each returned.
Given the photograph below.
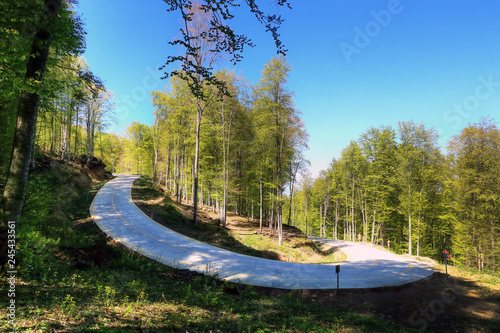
(241, 234)
(89, 283)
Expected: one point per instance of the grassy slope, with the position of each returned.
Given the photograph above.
(73, 278)
(241, 234)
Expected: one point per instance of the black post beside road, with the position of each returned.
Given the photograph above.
(337, 270)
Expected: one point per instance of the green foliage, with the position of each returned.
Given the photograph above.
(139, 150)
(404, 190)
(476, 193)
(206, 35)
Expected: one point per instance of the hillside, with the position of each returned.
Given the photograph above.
(71, 277)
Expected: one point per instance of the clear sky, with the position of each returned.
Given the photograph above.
(355, 64)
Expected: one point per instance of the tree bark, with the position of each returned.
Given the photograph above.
(196, 158)
(409, 220)
(155, 167)
(68, 132)
(306, 214)
(335, 236)
(261, 200)
(76, 132)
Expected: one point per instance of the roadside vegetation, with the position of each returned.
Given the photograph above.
(241, 234)
(86, 282)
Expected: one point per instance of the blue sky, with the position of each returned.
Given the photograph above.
(354, 64)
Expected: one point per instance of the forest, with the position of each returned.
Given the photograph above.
(243, 148)
(389, 184)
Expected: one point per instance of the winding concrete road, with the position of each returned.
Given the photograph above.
(366, 267)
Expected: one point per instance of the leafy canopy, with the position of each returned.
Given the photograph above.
(216, 33)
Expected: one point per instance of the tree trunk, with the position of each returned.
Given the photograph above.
(409, 220)
(168, 186)
(375, 202)
(155, 166)
(320, 220)
(68, 133)
(192, 185)
(346, 215)
(327, 200)
(52, 138)
(76, 132)
(224, 174)
(335, 234)
(306, 214)
(196, 158)
(261, 200)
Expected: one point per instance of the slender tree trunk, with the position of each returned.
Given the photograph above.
(279, 203)
(327, 199)
(202, 198)
(68, 132)
(52, 140)
(196, 158)
(76, 131)
(252, 210)
(177, 184)
(375, 202)
(89, 110)
(335, 234)
(155, 166)
(192, 185)
(291, 202)
(183, 174)
(320, 220)
(365, 236)
(409, 220)
(306, 214)
(168, 186)
(224, 171)
(419, 219)
(261, 200)
(44, 135)
(346, 215)
(60, 151)
(186, 176)
(100, 144)
(418, 233)
(271, 213)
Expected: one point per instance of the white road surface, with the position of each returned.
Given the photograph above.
(366, 267)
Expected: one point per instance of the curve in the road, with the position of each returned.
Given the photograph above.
(366, 267)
